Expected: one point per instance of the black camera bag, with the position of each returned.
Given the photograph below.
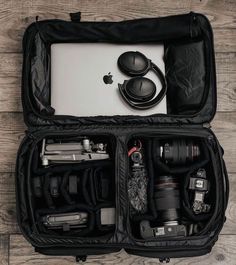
(188, 40)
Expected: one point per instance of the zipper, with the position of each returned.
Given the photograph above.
(216, 146)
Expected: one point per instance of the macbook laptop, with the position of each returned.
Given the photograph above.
(85, 77)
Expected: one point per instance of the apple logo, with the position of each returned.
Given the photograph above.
(107, 79)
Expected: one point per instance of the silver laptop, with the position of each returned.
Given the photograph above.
(85, 77)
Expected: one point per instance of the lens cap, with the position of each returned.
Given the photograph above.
(134, 63)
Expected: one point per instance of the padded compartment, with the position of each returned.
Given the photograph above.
(73, 190)
(173, 206)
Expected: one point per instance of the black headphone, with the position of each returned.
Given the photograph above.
(139, 92)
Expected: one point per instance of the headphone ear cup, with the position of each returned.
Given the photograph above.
(139, 92)
(138, 89)
(133, 63)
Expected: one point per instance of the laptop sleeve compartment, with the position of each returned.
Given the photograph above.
(110, 192)
(193, 40)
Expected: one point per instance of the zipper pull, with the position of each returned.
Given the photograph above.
(75, 17)
(81, 258)
(206, 125)
(164, 260)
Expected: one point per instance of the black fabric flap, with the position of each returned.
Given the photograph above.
(172, 31)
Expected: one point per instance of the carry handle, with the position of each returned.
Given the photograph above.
(75, 17)
(81, 258)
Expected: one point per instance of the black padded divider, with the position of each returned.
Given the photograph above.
(104, 184)
(87, 186)
(46, 193)
(64, 188)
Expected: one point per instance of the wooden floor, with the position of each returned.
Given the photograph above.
(15, 16)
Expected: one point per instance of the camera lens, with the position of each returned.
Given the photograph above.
(136, 157)
(179, 151)
(167, 199)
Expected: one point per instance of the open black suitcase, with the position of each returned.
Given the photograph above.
(104, 184)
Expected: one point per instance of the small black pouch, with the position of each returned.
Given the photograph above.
(185, 75)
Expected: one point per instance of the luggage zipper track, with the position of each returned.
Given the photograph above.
(58, 117)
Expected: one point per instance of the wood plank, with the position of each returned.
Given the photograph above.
(224, 40)
(224, 127)
(10, 65)
(223, 253)
(11, 131)
(10, 95)
(226, 80)
(8, 223)
(4, 244)
(17, 15)
(10, 82)
(222, 14)
(230, 224)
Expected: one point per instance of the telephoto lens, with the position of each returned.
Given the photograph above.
(167, 202)
(167, 199)
(179, 151)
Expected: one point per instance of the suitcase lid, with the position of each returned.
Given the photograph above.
(189, 53)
